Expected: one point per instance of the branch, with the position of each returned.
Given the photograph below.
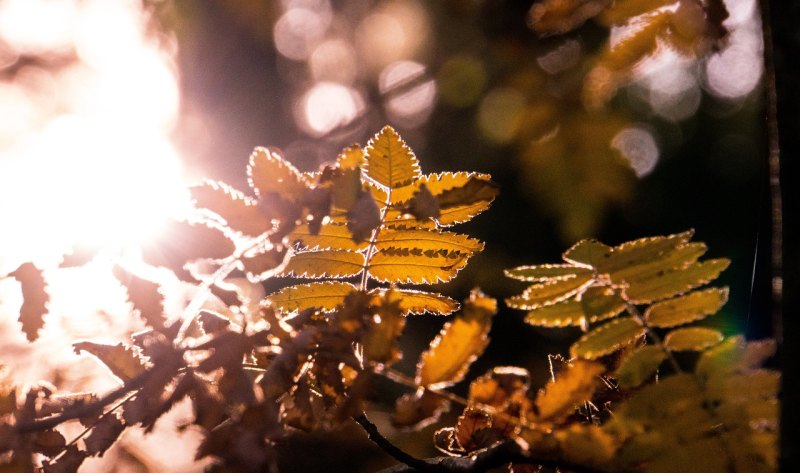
(378, 439)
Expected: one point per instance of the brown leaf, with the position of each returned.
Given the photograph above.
(212, 322)
(182, 242)
(417, 410)
(49, 442)
(120, 359)
(476, 189)
(145, 297)
(35, 299)
(104, 434)
(363, 217)
(240, 213)
(263, 265)
(380, 341)
(424, 205)
(69, 462)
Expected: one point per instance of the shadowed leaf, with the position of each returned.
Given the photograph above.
(104, 434)
(269, 173)
(145, 297)
(325, 296)
(239, 212)
(571, 387)
(640, 366)
(417, 410)
(120, 359)
(35, 299)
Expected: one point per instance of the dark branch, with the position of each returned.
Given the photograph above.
(378, 439)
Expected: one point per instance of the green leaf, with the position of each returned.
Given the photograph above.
(269, 173)
(458, 344)
(427, 240)
(550, 292)
(326, 296)
(688, 308)
(692, 339)
(587, 253)
(596, 304)
(672, 282)
(681, 257)
(240, 213)
(607, 338)
(415, 266)
(322, 263)
(545, 272)
(419, 302)
(640, 366)
(120, 359)
(390, 162)
(331, 235)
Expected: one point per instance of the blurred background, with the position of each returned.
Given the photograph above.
(609, 130)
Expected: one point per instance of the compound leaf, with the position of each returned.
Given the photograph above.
(672, 282)
(330, 235)
(692, 339)
(688, 308)
(571, 387)
(325, 295)
(587, 253)
(549, 292)
(427, 240)
(607, 338)
(420, 302)
(595, 304)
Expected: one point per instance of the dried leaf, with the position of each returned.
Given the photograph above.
(103, 435)
(417, 410)
(49, 442)
(607, 338)
(390, 162)
(380, 341)
(269, 173)
(69, 462)
(423, 206)
(145, 297)
(240, 213)
(264, 264)
(685, 309)
(35, 299)
(571, 387)
(322, 263)
(181, 242)
(363, 217)
(692, 339)
(549, 17)
(326, 296)
(120, 359)
(640, 366)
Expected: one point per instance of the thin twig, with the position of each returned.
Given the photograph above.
(634, 312)
(395, 452)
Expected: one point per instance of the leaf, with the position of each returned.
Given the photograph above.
(458, 344)
(351, 157)
(419, 302)
(415, 266)
(587, 444)
(103, 435)
(673, 282)
(345, 186)
(317, 264)
(427, 240)
(380, 341)
(681, 257)
(120, 359)
(596, 304)
(423, 206)
(692, 339)
(642, 251)
(363, 217)
(417, 410)
(269, 173)
(640, 366)
(144, 295)
(607, 338)
(48, 442)
(684, 309)
(69, 462)
(35, 299)
(240, 213)
(264, 264)
(550, 292)
(587, 253)
(571, 387)
(325, 296)
(181, 242)
(390, 162)
(546, 272)
(330, 235)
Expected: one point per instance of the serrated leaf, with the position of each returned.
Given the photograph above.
(103, 435)
(546, 272)
(465, 196)
(325, 296)
(330, 235)
(642, 251)
(692, 339)
(264, 264)
(181, 242)
(681, 257)
(380, 341)
(390, 162)
(673, 282)
(607, 338)
(34, 299)
(688, 308)
(144, 295)
(572, 386)
(120, 359)
(322, 263)
(427, 240)
(458, 344)
(640, 366)
(269, 173)
(345, 187)
(587, 253)
(419, 302)
(423, 206)
(550, 292)
(351, 157)
(239, 212)
(363, 217)
(596, 304)
(415, 266)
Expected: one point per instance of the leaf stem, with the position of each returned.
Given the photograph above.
(634, 312)
(373, 240)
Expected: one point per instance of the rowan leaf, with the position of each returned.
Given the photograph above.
(268, 173)
(546, 272)
(120, 359)
(458, 344)
(419, 302)
(587, 253)
(325, 296)
(380, 341)
(103, 435)
(351, 157)
(571, 387)
(238, 212)
(322, 263)
(675, 281)
(264, 264)
(734, 355)
(427, 240)
(417, 410)
(549, 292)
(550, 17)
(363, 217)
(68, 462)
(415, 266)
(181, 242)
(685, 309)
(460, 196)
(607, 338)
(144, 295)
(423, 206)
(642, 251)
(595, 304)
(34, 299)
(692, 339)
(640, 366)
(390, 162)
(681, 257)
(330, 235)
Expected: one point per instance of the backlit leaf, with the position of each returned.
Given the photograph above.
(549, 292)
(104, 434)
(415, 266)
(417, 410)
(640, 366)
(675, 281)
(380, 341)
(596, 304)
(363, 217)
(390, 162)
(145, 297)
(316, 264)
(269, 173)
(351, 157)
(239, 212)
(692, 339)
(264, 264)
(688, 308)
(330, 235)
(587, 444)
(325, 296)
(607, 338)
(419, 302)
(544, 272)
(427, 240)
(550, 17)
(642, 251)
(423, 206)
(458, 344)
(460, 195)
(571, 387)
(120, 359)
(34, 299)
(181, 242)
(681, 257)
(587, 253)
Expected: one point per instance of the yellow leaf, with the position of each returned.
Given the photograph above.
(120, 359)
(607, 338)
(641, 251)
(415, 266)
(417, 410)
(692, 339)
(269, 173)
(351, 157)
(546, 272)
(684, 309)
(596, 304)
(419, 302)
(390, 162)
(550, 292)
(549, 17)
(482, 193)
(640, 366)
(681, 257)
(331, 235)
(587, 253)
(618, 13)
(322, 263)
(672, 282)
(325, 296)
(458, 344)
(240, 213)
(573, 386)
(586, 444)
(427, 240)
(380, 341)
